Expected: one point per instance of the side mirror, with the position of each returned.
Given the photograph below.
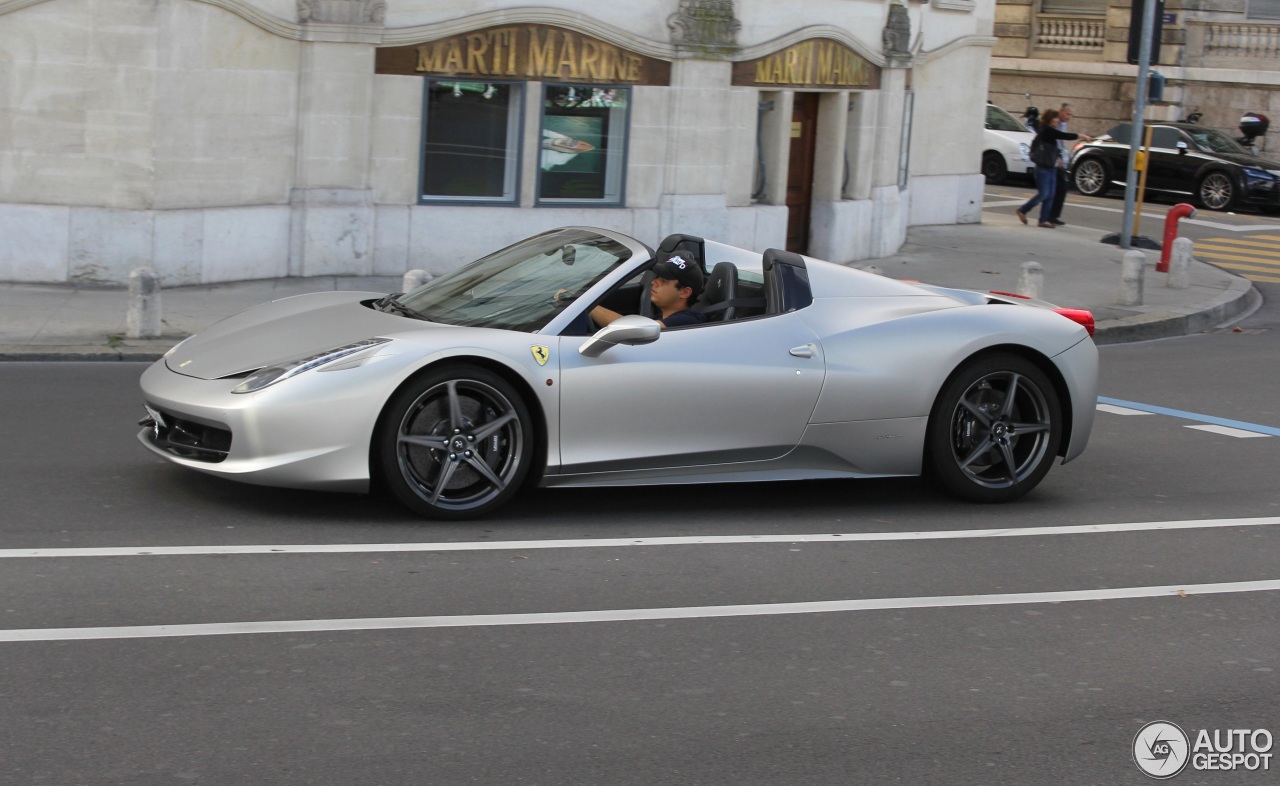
(631, 329)
(1182, 147)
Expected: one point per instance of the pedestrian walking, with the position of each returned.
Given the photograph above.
(1065, 113)
(1046, 155)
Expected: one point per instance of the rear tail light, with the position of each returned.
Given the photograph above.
(1009, 294)
(1079, 316)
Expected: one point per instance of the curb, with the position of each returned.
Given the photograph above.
(1240, 298)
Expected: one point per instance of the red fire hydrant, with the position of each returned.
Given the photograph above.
(1176, 213)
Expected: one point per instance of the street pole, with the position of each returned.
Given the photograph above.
(1139, 110)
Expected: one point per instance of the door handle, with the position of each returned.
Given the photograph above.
(803, 351)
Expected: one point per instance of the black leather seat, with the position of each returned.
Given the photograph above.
(720, 293)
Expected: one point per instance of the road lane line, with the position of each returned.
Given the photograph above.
(695, 540)
(626, 615)
(1178, 413)
(1229, 432)
(1114, 410)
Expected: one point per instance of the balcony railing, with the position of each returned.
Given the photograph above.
(1071, 33)
(1241, 40)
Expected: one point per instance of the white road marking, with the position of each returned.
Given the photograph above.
(1229, 432)
(626, 615)
(1154, 216)
(696, 540)
(1114, 410)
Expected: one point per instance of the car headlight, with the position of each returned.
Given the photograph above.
(273, 374)
(1257, 174)
(1024, 151)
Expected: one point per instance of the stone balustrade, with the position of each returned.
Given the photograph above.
(1071, 33)
(1241, 40)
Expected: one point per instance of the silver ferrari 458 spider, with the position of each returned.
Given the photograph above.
(457, 394)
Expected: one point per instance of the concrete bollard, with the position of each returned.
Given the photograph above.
(872, 269)
(1131, 272)
(1031, 282)
(414, 279)
(1180, 263)
(143, 317)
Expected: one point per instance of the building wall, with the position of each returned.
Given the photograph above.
(1216, 62)
(254, 138)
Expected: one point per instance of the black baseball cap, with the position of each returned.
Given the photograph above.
(680, 268)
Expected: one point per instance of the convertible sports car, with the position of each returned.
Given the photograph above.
(491, 377)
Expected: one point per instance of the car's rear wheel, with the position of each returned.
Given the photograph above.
(994, 430)
(1216, 191)
(1092, 177)
(993, 168)
(455, 443)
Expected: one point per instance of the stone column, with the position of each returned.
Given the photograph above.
(332, 227)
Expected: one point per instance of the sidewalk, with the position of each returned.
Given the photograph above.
(64, 322)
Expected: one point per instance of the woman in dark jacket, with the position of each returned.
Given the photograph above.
(1046, 176)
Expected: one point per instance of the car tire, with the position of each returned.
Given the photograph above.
(1216, 191)
(455, 443)
(993, 168)
(1091, 176)
(994, 430)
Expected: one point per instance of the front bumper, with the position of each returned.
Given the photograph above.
(312, 432)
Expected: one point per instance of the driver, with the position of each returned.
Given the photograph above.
(677, 283)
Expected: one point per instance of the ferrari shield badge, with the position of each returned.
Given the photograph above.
(541, 354)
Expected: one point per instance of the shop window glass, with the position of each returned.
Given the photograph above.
(584, 144)
(471, 141)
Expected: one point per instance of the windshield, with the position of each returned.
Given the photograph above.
(1000, 120)
(520, 287)
(1215, 141)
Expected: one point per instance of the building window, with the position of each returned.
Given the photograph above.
(584, 144)
(1081, 7)
(1264, 9)
(471, 142)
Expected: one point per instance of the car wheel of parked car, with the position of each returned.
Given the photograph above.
(1091, 177)
(1216, 191)
(455, 443)
(994, 168)
(995, 429)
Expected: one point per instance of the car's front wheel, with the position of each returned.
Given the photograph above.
(455, 443)
(1216, 191)
(993, 168)
(994, 430)
(1091, 177)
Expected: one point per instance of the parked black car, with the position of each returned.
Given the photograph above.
(1185, 158)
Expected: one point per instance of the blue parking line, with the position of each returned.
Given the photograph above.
(1178, 413)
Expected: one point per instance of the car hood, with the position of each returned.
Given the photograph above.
(285, 330)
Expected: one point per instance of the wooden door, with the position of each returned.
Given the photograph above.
(804, 128)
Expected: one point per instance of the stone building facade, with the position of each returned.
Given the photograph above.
(1220, 58)
(218, 140)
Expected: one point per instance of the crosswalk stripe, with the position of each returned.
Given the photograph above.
(1267, 279)
(1247, 268)
(1232, 241)
(1239, 257)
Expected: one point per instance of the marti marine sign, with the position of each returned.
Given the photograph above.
(525, 52)
(816, 63)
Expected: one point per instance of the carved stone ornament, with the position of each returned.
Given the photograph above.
(897, 35)
(342, 12)
(707, 26)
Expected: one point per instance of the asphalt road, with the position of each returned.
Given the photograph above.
(937, 658)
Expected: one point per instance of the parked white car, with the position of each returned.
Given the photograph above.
(1006, 146)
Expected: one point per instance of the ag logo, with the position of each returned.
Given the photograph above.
(1161, 749)
(541, 354)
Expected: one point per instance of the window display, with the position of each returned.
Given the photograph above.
(471, 143)
(583, 150)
